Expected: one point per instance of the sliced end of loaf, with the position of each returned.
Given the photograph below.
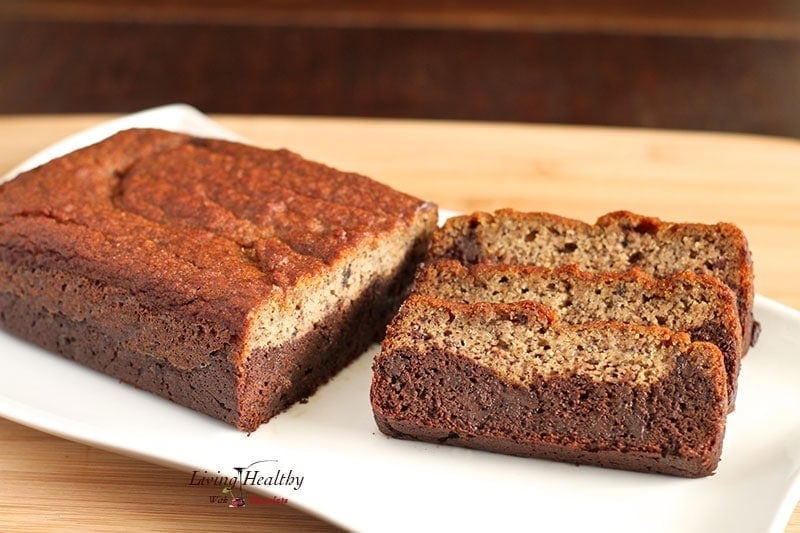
(617, 242)
(699, 305)
(512, 378)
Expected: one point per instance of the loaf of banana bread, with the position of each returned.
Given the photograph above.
(616, 242)
(514, 379)
(229, 279)
(699, 305)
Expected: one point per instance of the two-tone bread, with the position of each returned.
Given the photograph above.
(513, 378)
(616, 344)
(697, 304)
(229, 279)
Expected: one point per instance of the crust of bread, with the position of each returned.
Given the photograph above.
(227, 278)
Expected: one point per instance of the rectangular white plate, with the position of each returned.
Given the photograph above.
(360, 479)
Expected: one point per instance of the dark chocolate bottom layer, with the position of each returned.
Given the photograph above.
(272, 380)
(675, 427)
(210, 389)
(632, 460)
(277, 378)
(731, 353)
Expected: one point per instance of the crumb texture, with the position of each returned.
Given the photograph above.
(616, 242)
(521, 344)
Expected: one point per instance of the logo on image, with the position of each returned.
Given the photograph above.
(263, 473)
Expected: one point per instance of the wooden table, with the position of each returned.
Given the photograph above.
(580, 172)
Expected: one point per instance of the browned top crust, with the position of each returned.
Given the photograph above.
(207, 227)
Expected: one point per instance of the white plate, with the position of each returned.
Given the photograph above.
(360, 479)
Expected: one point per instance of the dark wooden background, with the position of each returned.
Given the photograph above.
(716, 65)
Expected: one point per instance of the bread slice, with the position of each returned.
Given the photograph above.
(512, 378)
(226, 278)
(616, 242)
(699, 305)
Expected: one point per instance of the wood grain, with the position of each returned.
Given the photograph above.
(713, 65)
(48, 482)
(741, 18)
